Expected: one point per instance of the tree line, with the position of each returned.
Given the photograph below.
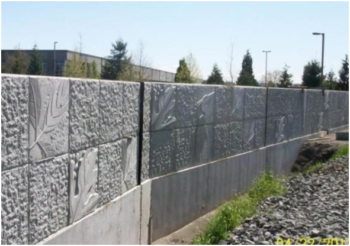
(121, 65)
(312, 75)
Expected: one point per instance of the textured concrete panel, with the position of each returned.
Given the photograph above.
(14, 121)
(295, 97)
(185, 147)
(163, 107)
(254, 103)
(204, 144)
(48, 194)
(185, 109)
(84, 124)
(295, 126)
(48, 117)
(205, 98)
(162, 153)
(118, 223)
(277, 129)
(237, 103)
(178, 199)
(14, 206)
(314, 122)
(235, 135)
(147, 107)
(223, 104)
(277, 102)
(83, 173)
(221, 141)
(254, 134)
(146, 149)
(131, 109)
(110, 171)
(314, 100)
(110, 111)
(227, 139)
(130, 163)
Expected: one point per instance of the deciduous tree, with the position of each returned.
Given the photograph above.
(192, 64)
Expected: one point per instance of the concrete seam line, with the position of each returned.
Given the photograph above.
(140, 139)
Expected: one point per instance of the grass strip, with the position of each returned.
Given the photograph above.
(233, 213)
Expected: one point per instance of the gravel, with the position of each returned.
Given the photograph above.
(315, 206)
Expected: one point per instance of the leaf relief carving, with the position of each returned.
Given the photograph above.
(83, 181)
(129, 163)
(163, 111)
(237, 103)
(203, 107)
(55, 113)
(280, 129)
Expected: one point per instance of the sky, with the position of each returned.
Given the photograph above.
(171, 30)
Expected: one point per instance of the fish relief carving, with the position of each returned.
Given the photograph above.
(203, 108)
(163, 110)
(53, 115)
(83, 171)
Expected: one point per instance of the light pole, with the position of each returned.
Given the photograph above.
(320, 33)
(54, 58)
(266, 52)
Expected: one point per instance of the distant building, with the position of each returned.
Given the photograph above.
(63, 56)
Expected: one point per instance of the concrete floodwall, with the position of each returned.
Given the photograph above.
(75, 150)
(69, 146)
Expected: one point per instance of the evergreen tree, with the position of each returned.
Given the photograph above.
(35, 63)
(183, 74)
(118, 60)
(91, 70)
(344, 75)
(285, 79)
(312, 76)
(330, 82)
(246, 76)
(74, 68)
(215, 77)
(17, 63)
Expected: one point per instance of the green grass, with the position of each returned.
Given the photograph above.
(314, 168)
(233, 213)
(343, 151)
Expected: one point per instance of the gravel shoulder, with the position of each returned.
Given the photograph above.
(315, 206)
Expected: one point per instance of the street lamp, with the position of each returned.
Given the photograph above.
(266, 52)
(54, 58)
(320, 33)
